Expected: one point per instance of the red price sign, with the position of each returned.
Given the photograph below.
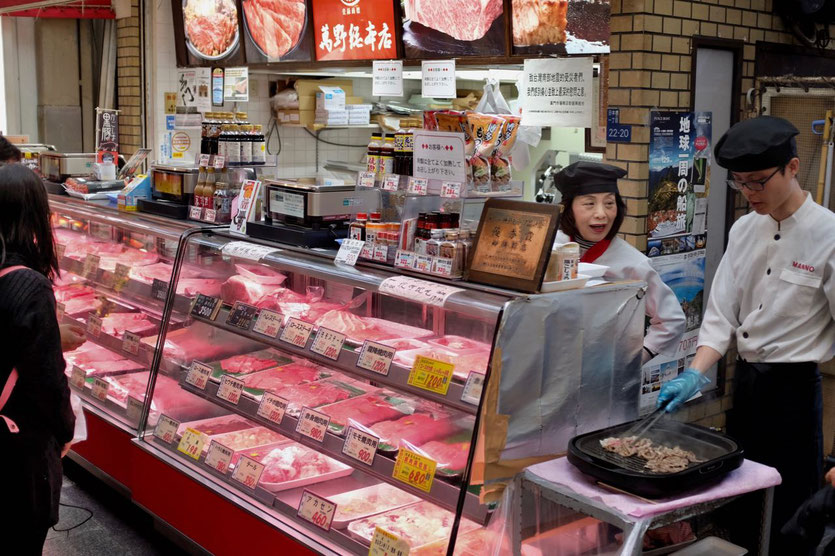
(328, 343)
(166, 428)
(354, 30)
(313, 424)
(272, 408)
(218, 457)
(360, 445)
(296, 332)
(318, 511)
(248, 472)
(376, 357)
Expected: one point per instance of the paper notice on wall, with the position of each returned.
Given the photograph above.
(558, 92)
(438, 79)
(388, 78)
(236, 84)
(194, 86)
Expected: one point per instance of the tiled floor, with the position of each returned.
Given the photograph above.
(116, 527)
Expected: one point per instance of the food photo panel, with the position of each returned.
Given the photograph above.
(560, 27)
(277, 30)
(442, 28)
(208, 32)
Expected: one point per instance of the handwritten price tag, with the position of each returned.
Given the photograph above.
(451, 190)
(100, 389)
(404, 259)
(384, 543)
(91, 267)
(366, 179)
(328, 343)
(360, 445)
(134, 409)
(195, 213)
(78, 377)
(60, 250)
(272, 408)
(414, 469)
(218, 457)
(381, 253)
(349, 251)
(473, 388)
(391, 182)
(94, 326)
(296, 332)
(166, 428)
(198, 375)
(230, 389)
(313, 424)
(130, 343)
(268, 323)
(418, 186)
(316, 510)
(205, 306)
(431, 375)
(415, 289)
(248, 472)
(60, 309)
(376, 357)
(246, 250)
(191, 443)
(120, 276)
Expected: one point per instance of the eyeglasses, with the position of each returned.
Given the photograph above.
(757, 185)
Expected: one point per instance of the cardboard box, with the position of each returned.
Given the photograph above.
(351, 108)
(296, 117)
(307, 89)
(330, 99)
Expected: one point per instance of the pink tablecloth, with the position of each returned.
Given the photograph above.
(750, 476)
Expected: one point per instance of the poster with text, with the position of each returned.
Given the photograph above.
(663, 369)
(354, 29)
(558, 92)
(193, 88)
(576, 27)
(684, 273)
(443, 28)
(207, 32)
(277, 30)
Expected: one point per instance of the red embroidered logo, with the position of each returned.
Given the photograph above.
(801, 266)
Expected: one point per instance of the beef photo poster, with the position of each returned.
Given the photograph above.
(207, 32)
(560, 26)
(453, 28)
(277, 30)
(354, 29)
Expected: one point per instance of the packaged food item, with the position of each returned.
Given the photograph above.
(368, 501)
(419, 524)
(563, 263)
(500, 161)
(429, 120)
(456, 122)
(486, 132)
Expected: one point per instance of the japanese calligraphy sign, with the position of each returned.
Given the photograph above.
(438, 79)
(354, 29)
(439, 155)
(414, 469)
(415, 289)
(193, 88)
(557, 91)
(387, 78)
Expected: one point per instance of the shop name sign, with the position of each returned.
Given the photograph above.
(354, 29)
(439, 156)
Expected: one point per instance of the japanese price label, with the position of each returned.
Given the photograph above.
(431, 375)
(218, 457)
(60, 250)
(246, 250)
(198, 375)
(328, 343)
(100, 389)
(451, 190)
(78, 377)
(241, 315)
(442, 266)
(248, 472)
(438, 79)
(423, 263)
(210, 216)
(387, 78)
(272, 408)
(195, 213)
(268, 323)
(349, 251)
(366, 179)
(296, 332)
(414, 469)
(134, 409)
(219, 162)
(391, 182)
(166, 428)
(204, 159)
(60, 309)
(376, 357)
(230, 389)
(415, 289)
(130, 343)
(384, 543)
(206, 307)
(94, 326)
(381, 253)
(120, 276)
(367, 251)
(473, 388)
(313, 424)
(316, 510)
(418, 186)
(91, 267)
(159, 289)
(404, 259)
(360, 445)
(191, 443)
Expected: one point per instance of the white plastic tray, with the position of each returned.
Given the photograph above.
(562, 285)
(342, 470)
(341, 499)
(592, 270)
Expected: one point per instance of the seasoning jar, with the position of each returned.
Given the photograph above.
(569, 261)
(357, 228)
(465, 239)
(374, 227)
(451, 248)
(433, 244)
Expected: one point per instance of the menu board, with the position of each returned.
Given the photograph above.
(277, 30)
(577, 27)
(444, 29)
(354, 29)
(207, 33)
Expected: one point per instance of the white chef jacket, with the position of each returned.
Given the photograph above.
(667, 320)
(774, 290)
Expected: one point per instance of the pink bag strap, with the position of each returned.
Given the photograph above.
(12, 380)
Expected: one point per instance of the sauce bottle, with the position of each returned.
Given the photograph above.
(399, 150)
(259, 146)
(246, 145)
(408, 151)
(357, 228)
(198, 189)
(233, 146)
(374, 227)
(209, 189)
(222, 202)
(386, 157)
(374, 145)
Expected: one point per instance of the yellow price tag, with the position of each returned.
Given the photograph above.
(431, 374)
(191, 443)
(384, 543)
(414, 469)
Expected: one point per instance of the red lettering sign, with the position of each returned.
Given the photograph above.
(354, 29)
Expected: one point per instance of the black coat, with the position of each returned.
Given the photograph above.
(30, 341)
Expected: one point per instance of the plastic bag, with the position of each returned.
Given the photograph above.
(80, 433)
(286, 99)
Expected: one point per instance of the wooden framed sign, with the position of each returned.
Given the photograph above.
(513, 243)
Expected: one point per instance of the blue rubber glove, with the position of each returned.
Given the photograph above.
(674, 393)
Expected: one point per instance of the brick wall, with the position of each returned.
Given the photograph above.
(129, 76)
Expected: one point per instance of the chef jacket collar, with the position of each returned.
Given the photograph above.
(800, 214)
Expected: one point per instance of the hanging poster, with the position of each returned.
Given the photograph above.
(193, 86)
(354, 29)
(277, 30)
(236, 84)
(560, 27)
(444, 28)
(207, 32)
(684, 273)
(558, 92)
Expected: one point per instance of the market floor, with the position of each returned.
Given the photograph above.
(116, 526)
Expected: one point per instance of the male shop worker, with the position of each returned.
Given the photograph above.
(774, 293)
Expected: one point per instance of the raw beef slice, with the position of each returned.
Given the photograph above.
(465, 20)
(539, 22)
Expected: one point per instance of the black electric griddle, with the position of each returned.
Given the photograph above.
(720, 454)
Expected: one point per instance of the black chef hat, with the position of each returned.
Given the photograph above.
(757, 144)
(584, 178)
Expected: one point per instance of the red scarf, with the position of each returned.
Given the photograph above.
(596, 251)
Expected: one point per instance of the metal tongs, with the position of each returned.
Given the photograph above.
(643, 426)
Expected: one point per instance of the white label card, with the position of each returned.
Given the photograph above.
(349, 251)
(248, 472)
(438, 79)
(367, 179)
(100, 389)
(204, 159)
(198, 375)
(376, 357)
(78, 377)
(246, 250)
(219, 162)
(367, 251)
(418, 186)
(405, 259)
(316, 510)
(94, 326)
(211, 215)
(268, 323)
(384, 543)
(195, 213)
(473, 388)
(130, 343)
(387, 78)
(440, 156)
(313, 424)
(328, 343)
(451, 190)
(381, 253)
(134, 409)
(418, 290)
(230, 389)
(91, 266)
(391, 182)
(442, 266)
(296, 332)
(166, 428)
(423, 263)
(218, 457)
(272, 408)
(360, 445)
(557, 92)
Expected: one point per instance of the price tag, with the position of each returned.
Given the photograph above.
(384, 543)
(313, 424)
(78, 377)
(423, 263)
(130, 343)
(381, 253)
(272, 408)
(219, 162)
(367, 251)
(211, 215)
(248, 472)
(316, 510)
(60, 250)
(442, 266)
(431, 375)
(204, 160)
(166, 428)
(349, 251)
(94, 326)
(230, 389)
(120, 276)
(404, 259)
(198, 375)
(376, 357)
(100, 389)
(268, 323)
(218, 457)
(415, 289)
(195, 213)
(206, 307)
(91, 267)
(391, 182)
(366, 179)
(473, 388)
(191, 443)
(414, 469)
(246, 250)
(134, 409)
(296, 332)
(60, 310)
(241, 315)
(418, 186)
(328, 343)
(159, 289)
(451, 190)
(360, 445)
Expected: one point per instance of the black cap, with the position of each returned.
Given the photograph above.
(757, 144)
(584, 178)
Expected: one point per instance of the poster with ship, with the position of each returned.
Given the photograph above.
(207, 32)
(560, 27)
(443, 29)
(277, 30)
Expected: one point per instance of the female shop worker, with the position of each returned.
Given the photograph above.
(593, 211)
(774, 294)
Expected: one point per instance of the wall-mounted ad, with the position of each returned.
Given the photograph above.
(277, 30)
(560, 27)
(443, 29)
(207, 32)
(354, 29)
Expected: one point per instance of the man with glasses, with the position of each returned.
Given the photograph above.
(774, 294)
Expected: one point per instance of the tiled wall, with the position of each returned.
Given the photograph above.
(128, 69)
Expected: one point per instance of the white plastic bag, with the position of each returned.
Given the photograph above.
(80, 433)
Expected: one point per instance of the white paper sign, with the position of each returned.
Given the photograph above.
(100, 389)
(328, 343)
(78, 377)
(198, 375)
(367, 179)
(376, 357)
(218, 457)
(415, 289)
(439, 155)
(246, 202)
(391, 182)
(557, 92)
(423, 263)
(272, 408)
(236, 84)
(404, 259)
(296, 332)
(388, 78)
(381, 253)
(473, 388)
(442, 266)
(166, 428)
(194, 85)
(313, 424)
(268, 323)
(418, 186)
(349, 251)
(248, 472)
(246, 250)
(130, 343)
(211, 215)
(360, 445)
(438, 79)
(316, 510)
(451, 190)
(230, 389)
(195, 213)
